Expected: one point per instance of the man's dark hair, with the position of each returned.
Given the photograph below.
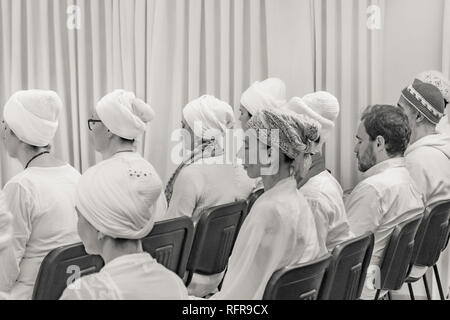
(391, 123)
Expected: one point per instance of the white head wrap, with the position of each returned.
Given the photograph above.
(123, 114)
(33, 116)
(439, 80)
(208, 117)
(5, 224)
(296, 132)
(320, 106)
(119, 197)
(270, 93)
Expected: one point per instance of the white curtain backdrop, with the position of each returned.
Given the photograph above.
(348, 64)
(166, 51)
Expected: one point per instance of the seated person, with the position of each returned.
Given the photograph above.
(119, 119)
(42, 197)
(280, 229)
(428, 155)
(116, 203)
(204, 179)
(388, 195)
(322, 191)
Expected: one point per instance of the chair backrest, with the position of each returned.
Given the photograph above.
(250, 202)
(435, 236)
(170, 243)
(62, 266)
(252, 198)
(298, 282)
(398, 254)
(214, 238)
(346, 274)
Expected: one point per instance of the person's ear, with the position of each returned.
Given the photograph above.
(380, 143)
(419, 117)
(109, 134)
(100, 236)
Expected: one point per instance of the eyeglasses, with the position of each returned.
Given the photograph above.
(91, 122)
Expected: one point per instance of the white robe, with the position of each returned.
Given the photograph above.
(203, 185)
(279, 231)
(324, 195)
(129, 277)
(42, 202)
(428, 161)
(387, 197)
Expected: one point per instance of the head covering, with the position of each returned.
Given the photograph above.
(5, 224)
(296, 132)
(439, 80)
(425, 98)
(119, 197)
(123, 114)
(320, 106)
(33, 116)
(208, 117)
(270, 93)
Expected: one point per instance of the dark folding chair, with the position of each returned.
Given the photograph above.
(253, 197)
(250, 202)
(346, 274)
(433, 237)
(214, 239)
(298, 282)
(59, 266)
(397, 256)
(170, 243)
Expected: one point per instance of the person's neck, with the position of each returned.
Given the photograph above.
(24, 156)
(270, 181)
(421, 132)
(111, 251)
(117, 148)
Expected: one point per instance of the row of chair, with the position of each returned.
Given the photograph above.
(341, 276)
(173, 243)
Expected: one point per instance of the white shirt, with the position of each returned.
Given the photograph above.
(324, 195)
(428, 161)
(42, 202)
(387, 197)
(279, 231)
(129, 277)
(203, 185)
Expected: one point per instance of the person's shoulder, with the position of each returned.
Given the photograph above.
(323, 184)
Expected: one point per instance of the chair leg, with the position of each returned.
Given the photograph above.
(377, 295)
(389, 295)
(411, 292)
(427, 289)
(438, 280)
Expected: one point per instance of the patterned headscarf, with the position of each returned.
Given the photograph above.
(296, 133)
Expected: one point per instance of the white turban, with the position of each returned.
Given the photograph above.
(33, 116)
(270, 93)
(208, 117)
(320, 106)
(5, 224)
(119, 197)
(123, 114)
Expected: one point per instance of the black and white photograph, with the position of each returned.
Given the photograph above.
(224, 150)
